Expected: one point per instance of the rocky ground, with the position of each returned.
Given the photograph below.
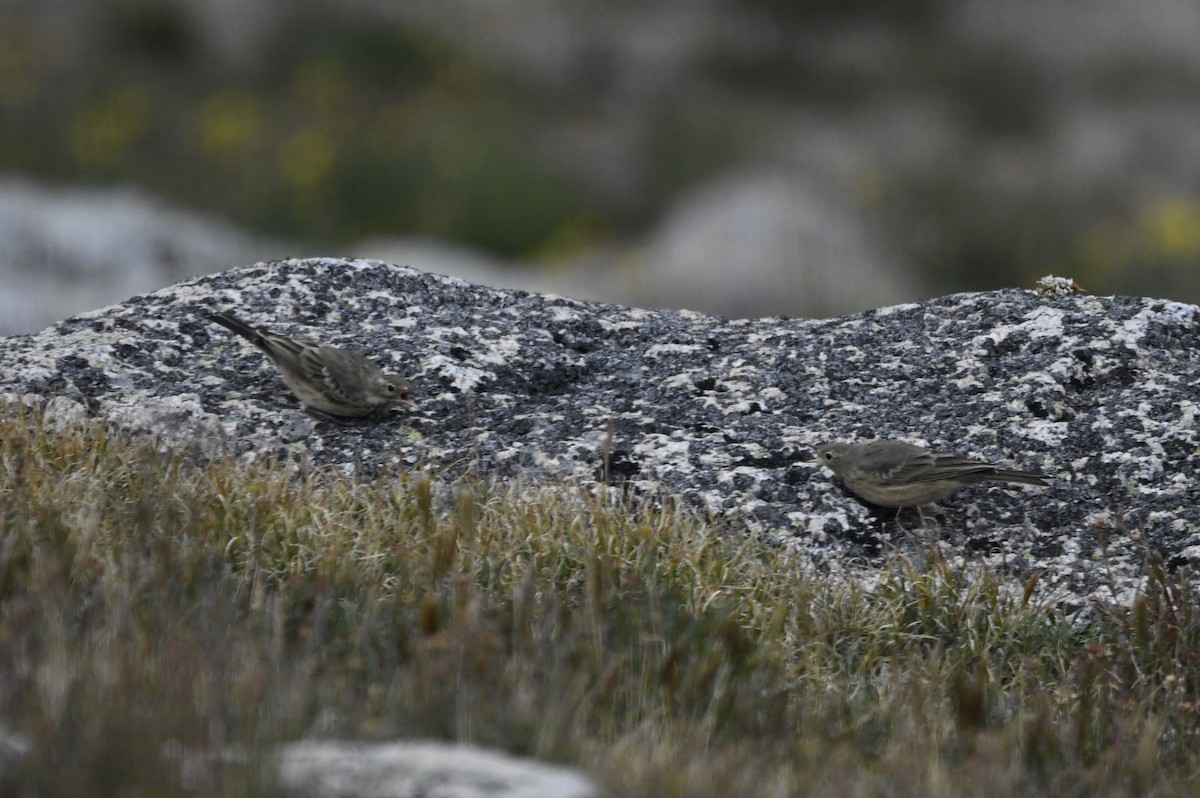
(1099, 392)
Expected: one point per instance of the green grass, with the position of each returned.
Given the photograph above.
(156, 611)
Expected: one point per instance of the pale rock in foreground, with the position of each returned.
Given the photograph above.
(421, 770)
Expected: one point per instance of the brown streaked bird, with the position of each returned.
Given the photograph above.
(898, 474)
(326, 379)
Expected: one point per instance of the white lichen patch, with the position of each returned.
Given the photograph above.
(1168, 314)
(460, 376)
(1041, 322)
(658, 350)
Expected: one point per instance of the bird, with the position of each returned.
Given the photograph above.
(891, 473)
(327, 380)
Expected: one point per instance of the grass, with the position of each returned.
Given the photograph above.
(166, 624)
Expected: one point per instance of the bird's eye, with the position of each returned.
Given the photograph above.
(827, 455)
(390, 388)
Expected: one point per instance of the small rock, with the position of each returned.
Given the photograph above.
(421, 770)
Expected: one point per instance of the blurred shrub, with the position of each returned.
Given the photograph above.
(352, 129)
(105, 133)
(157, 28)
(1155, 253)
(912, 13)
(969, 237)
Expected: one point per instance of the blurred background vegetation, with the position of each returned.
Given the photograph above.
(345, 128)
(541, 131)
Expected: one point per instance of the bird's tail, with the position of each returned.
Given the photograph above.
(1023, 477)
(243, 329)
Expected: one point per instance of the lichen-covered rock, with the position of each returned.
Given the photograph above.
(1100, 392)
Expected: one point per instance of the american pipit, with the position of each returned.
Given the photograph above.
(898, 474)
(336, 382)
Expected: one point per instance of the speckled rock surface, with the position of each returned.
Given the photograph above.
(1100, 392)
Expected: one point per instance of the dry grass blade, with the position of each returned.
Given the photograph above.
(165, 624)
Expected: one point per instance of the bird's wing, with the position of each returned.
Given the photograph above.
(332, 369)
(889, 469)
(962, 469)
